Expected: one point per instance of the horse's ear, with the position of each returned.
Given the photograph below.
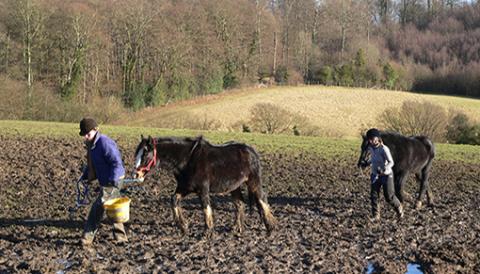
(150, 141)
(200, 137)
(141, 137)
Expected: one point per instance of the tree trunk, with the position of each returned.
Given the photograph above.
(7, 52)
(274, 69)
(257, 26)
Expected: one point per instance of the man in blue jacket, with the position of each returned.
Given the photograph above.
(105, 164)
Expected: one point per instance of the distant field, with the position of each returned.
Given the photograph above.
(338, 111)
(327, 148)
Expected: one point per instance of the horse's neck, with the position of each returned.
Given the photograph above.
(392, 140)
(179, 152)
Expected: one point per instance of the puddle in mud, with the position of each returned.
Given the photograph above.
(66, 264)
(412, 268)
(370, 268)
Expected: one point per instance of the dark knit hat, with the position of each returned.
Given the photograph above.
(373, 132)
(86, 125)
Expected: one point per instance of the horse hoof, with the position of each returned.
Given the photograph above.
(271, 228)
(418, 205)
(238, 230)
(208, 234)
(184, 230)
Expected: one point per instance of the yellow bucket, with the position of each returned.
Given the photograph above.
(118, 209)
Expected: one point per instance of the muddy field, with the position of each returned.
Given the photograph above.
(322, 207)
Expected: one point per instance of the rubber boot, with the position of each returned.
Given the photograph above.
(87, 239)
(400, 211)
(375, 217)
(119, 233)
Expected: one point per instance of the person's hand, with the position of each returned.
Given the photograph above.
(363, 164)
(83, 181)
(118, 184)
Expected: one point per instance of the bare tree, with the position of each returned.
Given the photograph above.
(345, 21)
(6, 45)
(286, 7)
(130, 26)
(29, 19)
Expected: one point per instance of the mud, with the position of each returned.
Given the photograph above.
(322, 207)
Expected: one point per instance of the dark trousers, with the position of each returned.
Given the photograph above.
(388, 192)
(95, 215)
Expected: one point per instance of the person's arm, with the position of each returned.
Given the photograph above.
(389, 160)
(369, 161)
(114, 159)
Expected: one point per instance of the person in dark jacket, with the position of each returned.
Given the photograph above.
(104, 164)
(381, 162)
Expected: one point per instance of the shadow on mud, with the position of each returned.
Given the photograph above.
(193, 202)
(293, 201)
(72, 224)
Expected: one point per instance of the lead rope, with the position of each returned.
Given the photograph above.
(82, 199)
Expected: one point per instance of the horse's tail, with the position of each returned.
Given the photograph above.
(430, 146)
(432, 149)
(423, 176)
(251, 200)
(256, 175)
(256, 193)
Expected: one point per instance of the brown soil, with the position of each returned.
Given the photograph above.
(322, 207)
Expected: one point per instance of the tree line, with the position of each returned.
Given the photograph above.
(140, 53)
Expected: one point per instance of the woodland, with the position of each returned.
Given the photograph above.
(60, 59)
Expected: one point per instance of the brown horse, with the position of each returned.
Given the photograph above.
(202, 168)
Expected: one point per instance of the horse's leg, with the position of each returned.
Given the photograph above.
(426, 172)
(421, 191)
(207, 209)
(240, 205)
(256, 192)
(400, 180)
(177, 210)
(429, 196)
(422, 178)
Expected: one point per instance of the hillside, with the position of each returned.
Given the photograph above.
(338, 111)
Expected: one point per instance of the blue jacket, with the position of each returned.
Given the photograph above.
(106, 160)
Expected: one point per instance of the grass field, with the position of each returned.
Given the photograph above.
(337, 111)
(324, 147)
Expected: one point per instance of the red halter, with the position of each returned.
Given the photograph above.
(152, 161)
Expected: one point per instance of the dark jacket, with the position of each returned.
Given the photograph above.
(106, 161)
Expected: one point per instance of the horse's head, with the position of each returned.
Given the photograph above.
(145, 157)
(362, 160)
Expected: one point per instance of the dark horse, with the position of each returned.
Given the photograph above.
(203, 168)
(410, 155)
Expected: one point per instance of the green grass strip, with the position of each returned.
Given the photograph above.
(328, 148)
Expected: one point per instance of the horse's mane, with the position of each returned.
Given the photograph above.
(204, 141)
(200, 139)
(400, 136)
(177, 140)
